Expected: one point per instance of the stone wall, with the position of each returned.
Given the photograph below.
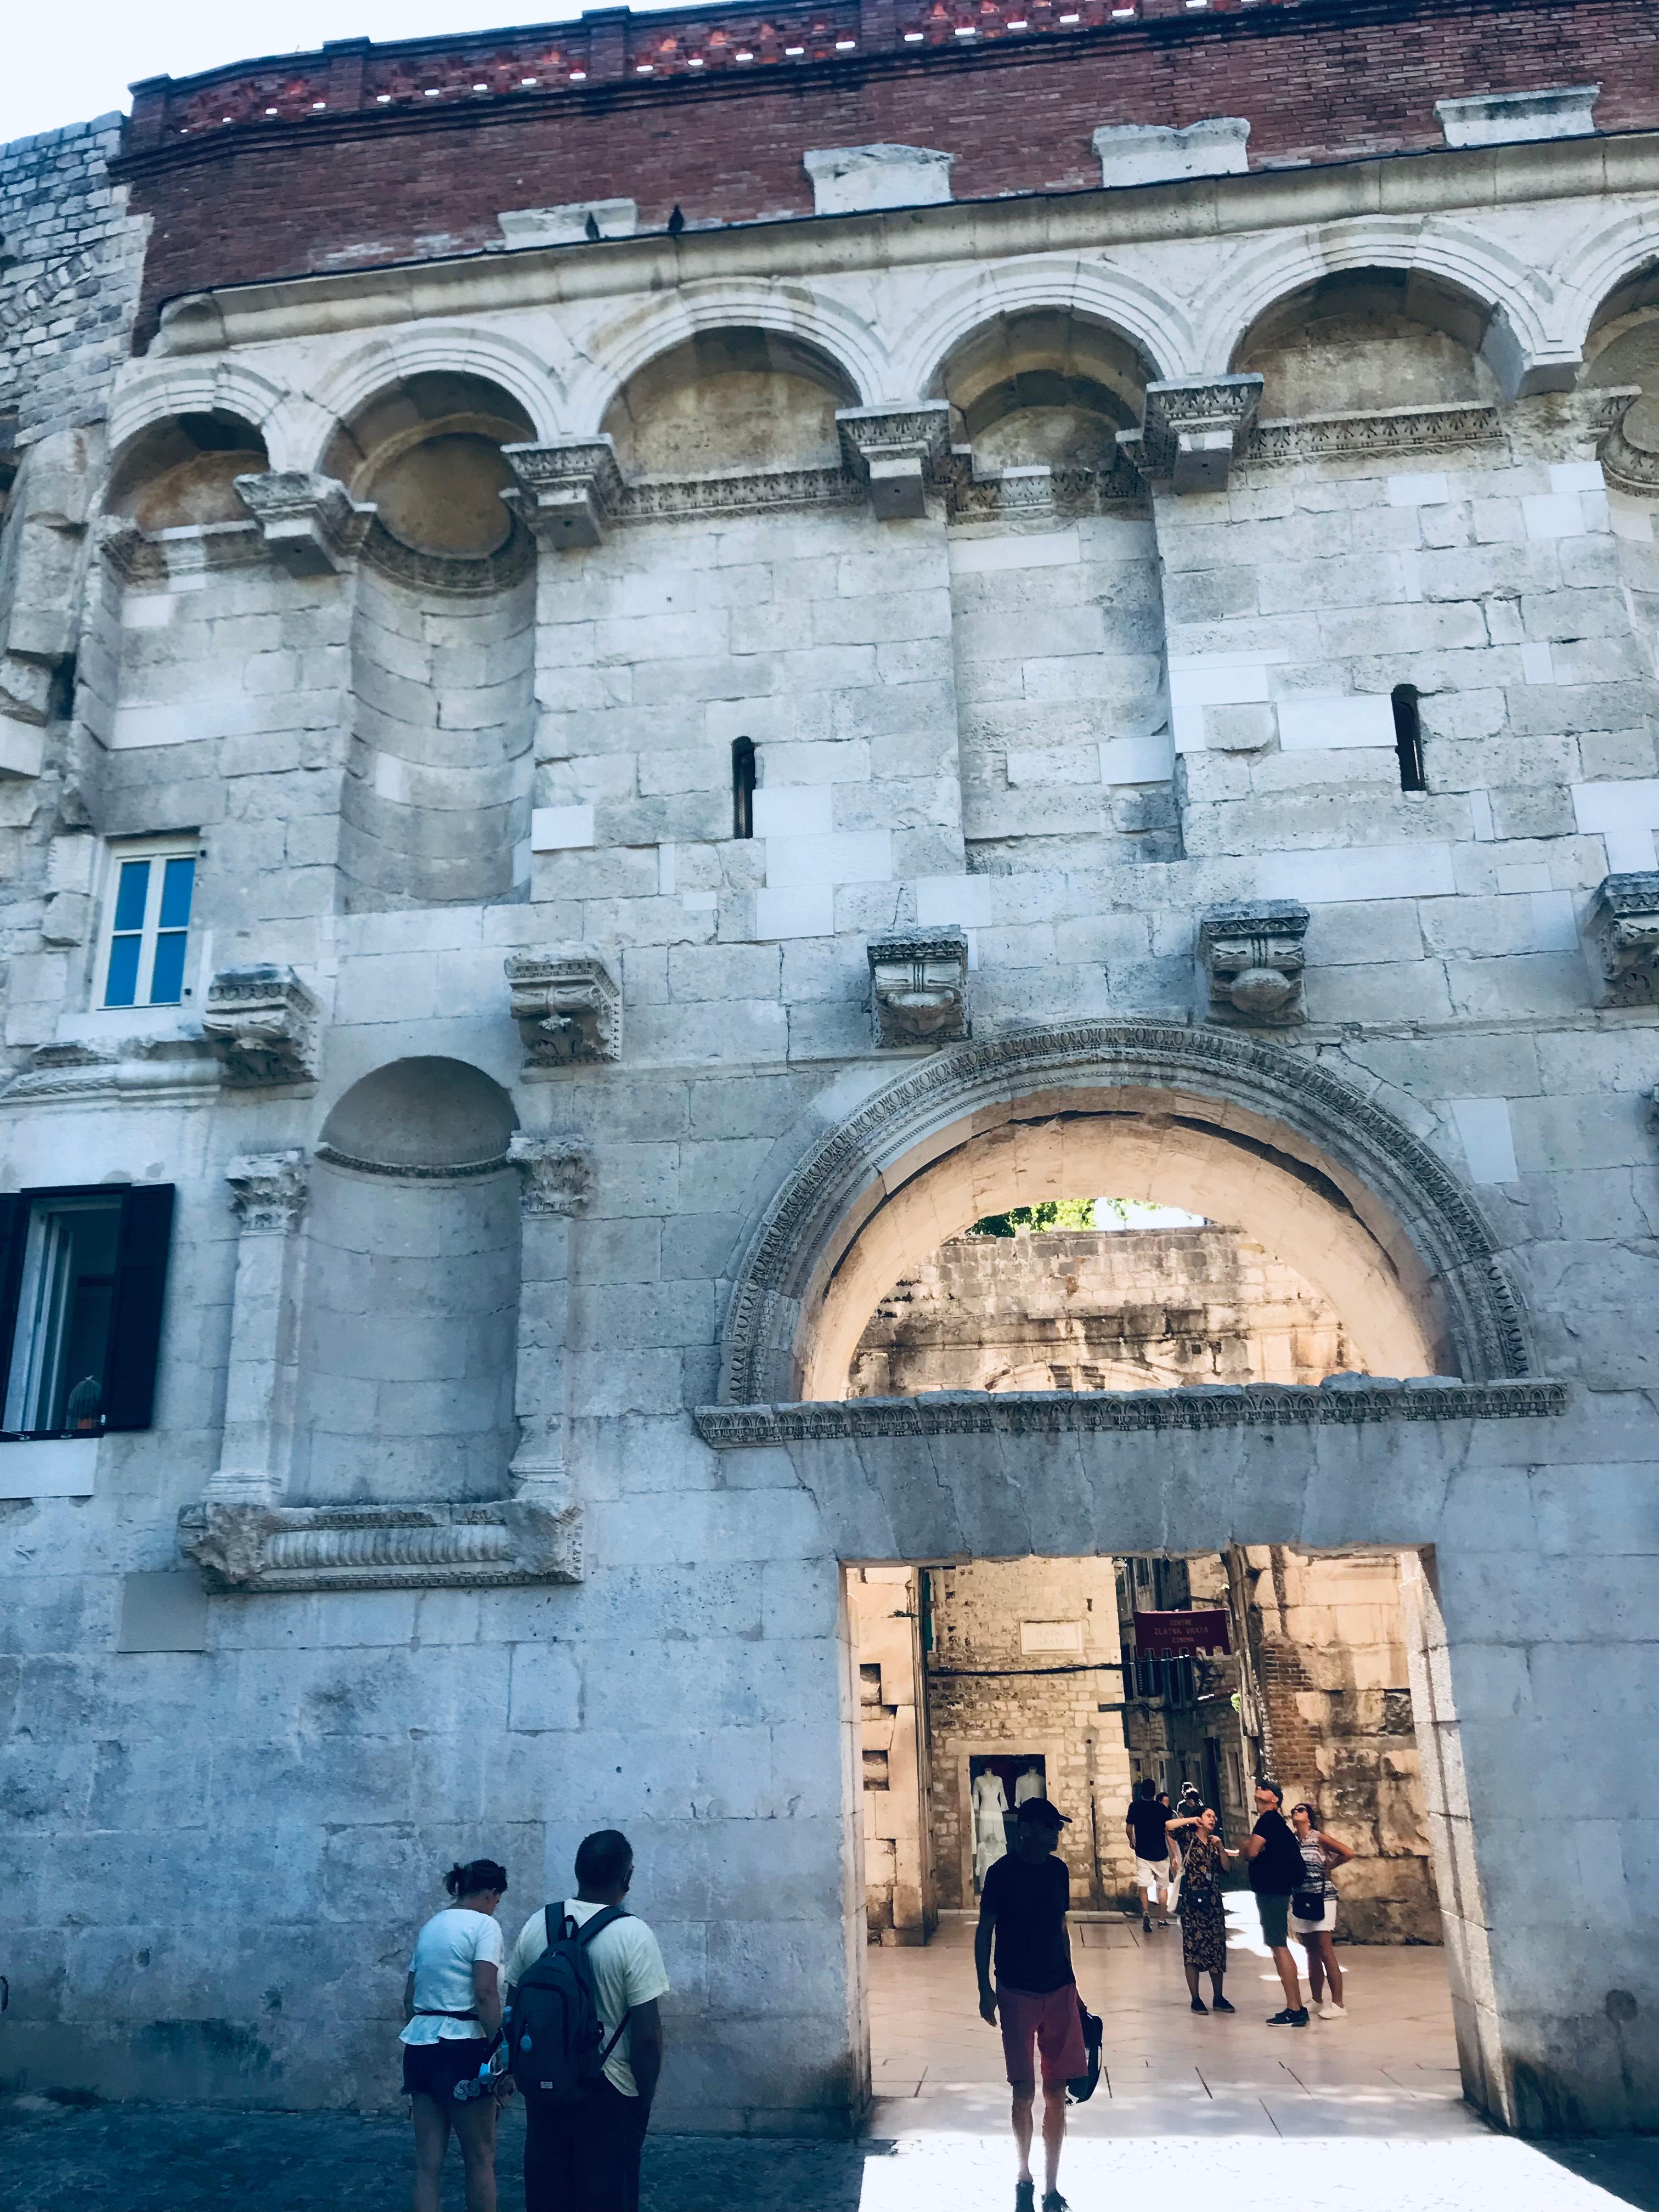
(1024, 1654)
(900, 1901)
(1097, 1310)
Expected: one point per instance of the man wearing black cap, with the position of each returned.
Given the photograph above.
(1034, 2001)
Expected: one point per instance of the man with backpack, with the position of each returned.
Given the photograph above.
(585, 2037)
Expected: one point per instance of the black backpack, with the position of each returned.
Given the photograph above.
(1083, 2086)
(555, 2037)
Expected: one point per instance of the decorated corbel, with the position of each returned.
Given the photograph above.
(261, 1022)
(1623, 930)
(566, 1002)
(566, 492)
(898, 451)
(919, 987)
(268, 1193)
(1191, 428)
(1250, 964)
(555, 1181)
(310, 525)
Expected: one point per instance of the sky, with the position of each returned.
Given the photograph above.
(66, 62)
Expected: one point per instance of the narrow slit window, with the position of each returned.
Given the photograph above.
(742, 787)
(149, 927)
(1408, 737)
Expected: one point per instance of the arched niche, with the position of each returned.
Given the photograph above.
(182, 470)
(409, 1317)
(435, 807)
(1044, 385)
(1330, 1182)
(729, 402)
(1623, 350)
(1366, 341)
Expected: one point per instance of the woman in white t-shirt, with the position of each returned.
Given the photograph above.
(453, 2006)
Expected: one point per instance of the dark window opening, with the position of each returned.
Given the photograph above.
(1408, 737)
(742, 787)
(81, 1276)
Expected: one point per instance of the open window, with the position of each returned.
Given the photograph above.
(82, 1272)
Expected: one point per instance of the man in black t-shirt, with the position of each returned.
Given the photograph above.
(1275, 1858)
(1147, 1825)
(1035, 2002)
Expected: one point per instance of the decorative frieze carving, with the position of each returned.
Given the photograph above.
(1401, 430)
(1054, 1413)
(456, 574)
(257, 1548)
(262, 1022)
(138, 1068)
(1191, 428)
(898, 452)
(567, 1004)
(268, 1191)
(310, 524)
(567, 491)
(1251, 960)
(919, 987)
(556, 1173)
(1623, 930)
(760, 491)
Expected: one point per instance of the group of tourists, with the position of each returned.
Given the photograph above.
(1023, 1952)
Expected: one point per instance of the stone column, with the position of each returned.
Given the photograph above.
(268, 1193)
(555, 1182)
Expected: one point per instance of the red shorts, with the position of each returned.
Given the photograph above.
(1054, 2022)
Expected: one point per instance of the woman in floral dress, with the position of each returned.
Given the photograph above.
(1203, 1917)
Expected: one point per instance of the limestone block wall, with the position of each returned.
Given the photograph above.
(898, 1861)
(1099, 1310)
(1024, 1653)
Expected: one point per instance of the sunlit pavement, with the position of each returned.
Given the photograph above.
(1227, 2112)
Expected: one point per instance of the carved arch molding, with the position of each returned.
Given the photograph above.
(1323, 1127)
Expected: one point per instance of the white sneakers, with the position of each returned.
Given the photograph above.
(1329, 2011)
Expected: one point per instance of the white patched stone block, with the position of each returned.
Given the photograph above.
(56, 1467)
(1625, 814)
(1537, 664)
(1326, 878)
(560, 829)
(1483, 1126)
(569, 224)
(808, 912)
(1138, 760)
(860, 179)
(1427, 488)
(1154, 154)
(845, 856)
(1577, 476)
(1554, 926)
(148, 609)
(964, 899)
(983, 556)
(1221, 679)
(1308, 724)
(803, 811)
(1071, 764)
(1504, 118)
(1553, 515)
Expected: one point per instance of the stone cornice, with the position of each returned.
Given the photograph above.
(1052, 1412)
(1402, 430)
(540, 277)
(265, 1550)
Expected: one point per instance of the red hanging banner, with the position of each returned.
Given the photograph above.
(1168, 1635)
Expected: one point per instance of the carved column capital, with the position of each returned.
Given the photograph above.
(262, 1022)
(1190, 429)
(310, 524)
(268, 1191)
(556, 1175)
(898, 451)
(1624, 933)
(919, 985)
(566, 1002)
(1250, 957)
(567, 491)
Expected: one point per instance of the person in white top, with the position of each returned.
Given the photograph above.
(589, 2159)
(453, 2012)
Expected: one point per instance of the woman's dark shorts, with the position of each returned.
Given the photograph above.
(432, 2069)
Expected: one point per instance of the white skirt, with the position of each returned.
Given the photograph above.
(1324, 1925)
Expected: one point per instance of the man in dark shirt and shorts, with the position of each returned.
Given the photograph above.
(1147, 1827)
(1276, 1875)
(1035, 2002)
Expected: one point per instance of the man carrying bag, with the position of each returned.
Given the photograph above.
(584, 2038)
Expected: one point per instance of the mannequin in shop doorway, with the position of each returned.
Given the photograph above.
(1030, 1784)
(990, 1835)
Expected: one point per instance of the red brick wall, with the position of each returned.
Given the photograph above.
(1326, 80)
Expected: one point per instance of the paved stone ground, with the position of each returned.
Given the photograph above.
(1361, 2117)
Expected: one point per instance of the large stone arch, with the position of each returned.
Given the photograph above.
(1304, 1133)
(1148, 319)
(461, 348)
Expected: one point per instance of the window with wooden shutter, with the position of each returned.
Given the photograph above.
(82, 1278)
